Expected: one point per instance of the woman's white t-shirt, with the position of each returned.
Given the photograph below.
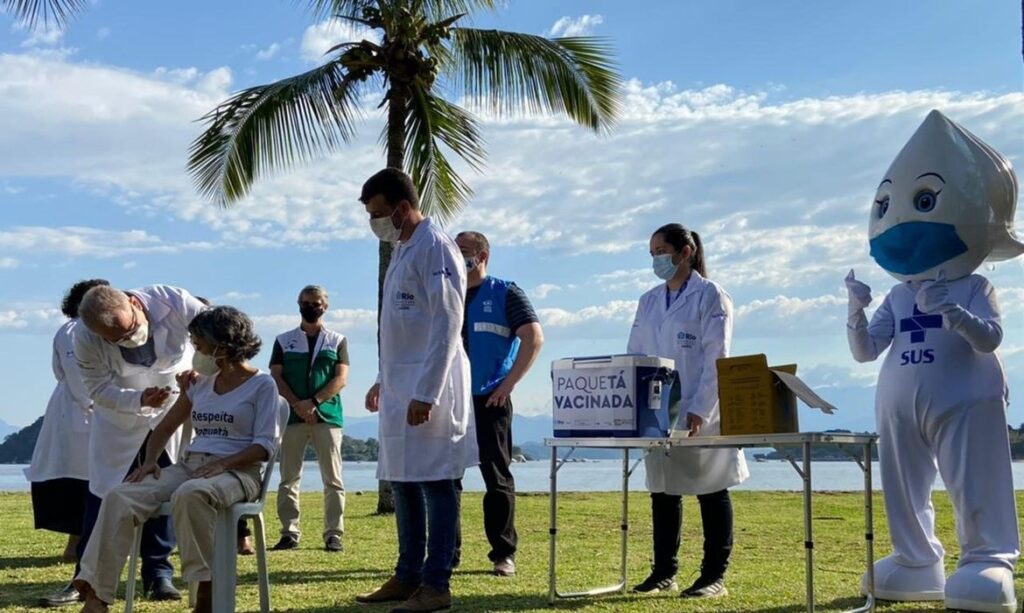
(225, 424)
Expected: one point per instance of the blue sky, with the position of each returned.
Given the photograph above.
(763, 125)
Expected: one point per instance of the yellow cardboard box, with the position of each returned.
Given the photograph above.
(757, 399)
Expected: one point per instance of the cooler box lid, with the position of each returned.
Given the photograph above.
(624, 360)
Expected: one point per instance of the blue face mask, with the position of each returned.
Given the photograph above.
(913, 247)
(664, 269)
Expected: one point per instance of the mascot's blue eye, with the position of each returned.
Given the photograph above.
(925, 201)
(883, 206)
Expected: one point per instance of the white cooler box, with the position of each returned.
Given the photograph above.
(612, 396)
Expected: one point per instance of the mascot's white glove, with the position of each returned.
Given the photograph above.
(862, 346)
(859, 295)
(933, 297)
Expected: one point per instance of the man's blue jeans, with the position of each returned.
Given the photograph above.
(425, 555)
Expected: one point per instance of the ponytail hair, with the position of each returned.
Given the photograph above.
(679, 237)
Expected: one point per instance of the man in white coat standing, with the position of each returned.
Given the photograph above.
(422, 392)
(133, 345)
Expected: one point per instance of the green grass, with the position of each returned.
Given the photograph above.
(766, 575)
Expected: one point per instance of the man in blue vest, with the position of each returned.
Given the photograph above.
(503, 338)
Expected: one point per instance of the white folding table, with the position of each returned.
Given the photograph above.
(806, 440)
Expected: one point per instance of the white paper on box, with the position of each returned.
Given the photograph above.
(803, 392)
(594, 398)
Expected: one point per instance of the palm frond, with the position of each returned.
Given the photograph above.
(272, 127)
(34, 13)
(509, 72)
(433, 122)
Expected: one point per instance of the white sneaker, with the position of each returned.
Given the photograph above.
(906, 583)
(981, 587)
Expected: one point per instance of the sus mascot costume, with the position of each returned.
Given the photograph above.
(945, 205)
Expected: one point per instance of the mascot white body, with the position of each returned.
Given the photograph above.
(945, 206)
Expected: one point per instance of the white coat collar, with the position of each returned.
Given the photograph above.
(694, 284)
(421, 230)
(156, 311)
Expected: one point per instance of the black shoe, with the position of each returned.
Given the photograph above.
(706, 587)
(333, 544)
(63, 597)
(163, 589)
(286, 542)
(654, 584)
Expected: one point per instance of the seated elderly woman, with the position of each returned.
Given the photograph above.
(234, 416)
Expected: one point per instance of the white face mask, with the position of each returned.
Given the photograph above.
(138, 338)
(384, 229)
(204, 364)
(470, 264)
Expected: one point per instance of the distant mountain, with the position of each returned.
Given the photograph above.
(525, 429)
(6, 430)
(17, 448)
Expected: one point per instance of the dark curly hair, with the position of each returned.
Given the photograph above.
(73, 297)
(229, 330)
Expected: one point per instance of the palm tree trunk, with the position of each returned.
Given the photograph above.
(397, 103)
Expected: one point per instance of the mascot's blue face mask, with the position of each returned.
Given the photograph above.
(913, 247)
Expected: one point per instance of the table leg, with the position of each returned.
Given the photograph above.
(625, 515)
(808, 534)
(553, 527)
(869, 526)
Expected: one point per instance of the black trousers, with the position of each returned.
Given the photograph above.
(716, 518)
(494, 438)
(157, 533)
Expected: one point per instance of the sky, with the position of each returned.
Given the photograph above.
(765, 126)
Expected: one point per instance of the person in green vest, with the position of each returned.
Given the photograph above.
(310, 365)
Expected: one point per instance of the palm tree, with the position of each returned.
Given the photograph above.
(422, 54)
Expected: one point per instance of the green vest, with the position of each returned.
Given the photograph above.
(305, 379)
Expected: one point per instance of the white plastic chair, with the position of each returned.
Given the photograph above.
(225, 554)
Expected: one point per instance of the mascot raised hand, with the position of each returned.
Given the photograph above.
(945, 205)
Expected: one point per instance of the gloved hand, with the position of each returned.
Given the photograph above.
(859, 293)
(933, 296)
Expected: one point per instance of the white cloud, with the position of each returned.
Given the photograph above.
(360, 325)
(235, 296)
(784, 316)
(635, 280)
(614, 311)
(544, 290)
(581, 26)
(9, 263)
(779, 190)
(319, 38)
(269, 52)
(42, 36)
(30, 319)
(93, 242)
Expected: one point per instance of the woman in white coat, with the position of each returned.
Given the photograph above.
(688, 319)
(59, 472)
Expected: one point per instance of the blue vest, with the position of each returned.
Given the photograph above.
(492, 346)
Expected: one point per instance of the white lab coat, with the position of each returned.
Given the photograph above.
(694, 331)
(62, 449)
(120, 423)
(422, 358)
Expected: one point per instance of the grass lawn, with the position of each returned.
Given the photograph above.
(767, 571)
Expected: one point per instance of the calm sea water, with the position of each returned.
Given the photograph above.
(602, 475)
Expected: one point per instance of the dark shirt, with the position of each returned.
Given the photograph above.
(140, 356)
(518, 310)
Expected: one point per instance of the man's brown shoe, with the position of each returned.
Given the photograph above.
(393, 590)
(204, 597)
(425, 599)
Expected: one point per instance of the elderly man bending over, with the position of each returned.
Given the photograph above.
(235, 417)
